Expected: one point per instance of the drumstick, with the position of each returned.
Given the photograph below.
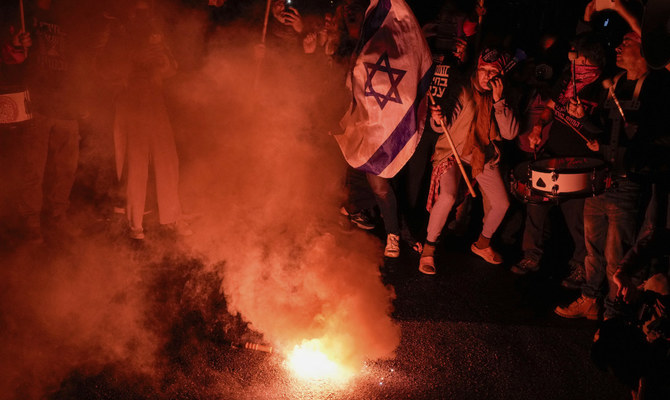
(453, 148)
(607, 84)
(572, 56)
(579, 133)
(552, 106)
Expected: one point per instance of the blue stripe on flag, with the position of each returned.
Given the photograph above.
(392, 146)
(373, 22)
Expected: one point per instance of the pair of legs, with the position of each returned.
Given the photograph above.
(144, 133)
(388, 206)
(495, 201)
(50, 153)
(144, 152)
(494, 196)
(387, 202)
(534, 231)
(610, 229)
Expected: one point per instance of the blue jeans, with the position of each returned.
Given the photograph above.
(610, 227)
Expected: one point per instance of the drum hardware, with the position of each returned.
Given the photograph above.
(571, 177)
(520, 185)
(15, 106)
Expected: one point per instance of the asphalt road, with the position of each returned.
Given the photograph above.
(472, 331)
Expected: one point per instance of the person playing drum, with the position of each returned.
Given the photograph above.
(481, 117)
(570, 114)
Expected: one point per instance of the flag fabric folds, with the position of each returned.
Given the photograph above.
(389, 81)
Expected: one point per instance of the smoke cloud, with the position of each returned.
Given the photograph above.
(261, 183)
(273, 186)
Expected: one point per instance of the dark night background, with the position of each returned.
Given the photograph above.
(473, 331)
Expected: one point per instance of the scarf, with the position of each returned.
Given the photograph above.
(584, 75)
(482, 129)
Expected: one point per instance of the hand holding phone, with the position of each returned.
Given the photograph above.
(604, 5)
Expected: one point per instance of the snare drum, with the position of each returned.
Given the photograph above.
(568, 177)
(519, 185)
(14, 106)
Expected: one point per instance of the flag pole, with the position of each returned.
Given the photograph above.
(259, 62)
(265, 23)
(453, 148)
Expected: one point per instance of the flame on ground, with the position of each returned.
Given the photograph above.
(309, 361)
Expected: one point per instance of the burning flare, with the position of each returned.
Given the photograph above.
(310, 362)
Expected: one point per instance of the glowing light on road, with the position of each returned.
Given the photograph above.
(309, 361)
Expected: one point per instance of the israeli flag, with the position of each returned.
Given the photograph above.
(389, 81)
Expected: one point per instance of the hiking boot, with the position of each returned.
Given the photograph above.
(392, 249)
(583, 307)
(525, 266)
(576, 278)
(487, 253)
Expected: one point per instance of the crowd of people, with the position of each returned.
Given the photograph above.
(576, 125)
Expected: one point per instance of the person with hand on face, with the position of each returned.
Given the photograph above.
(291, 17)
(480, 118)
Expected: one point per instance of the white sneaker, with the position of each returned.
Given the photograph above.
(136, 233)
(392, 249)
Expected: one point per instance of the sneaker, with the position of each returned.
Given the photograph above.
(576, 278)
(362, 220)
(392, 249)
(488, 254)
(136, 233)
(583, 307)
(525, 266)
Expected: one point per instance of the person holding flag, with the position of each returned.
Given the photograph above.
(391, 69)
(480, 117)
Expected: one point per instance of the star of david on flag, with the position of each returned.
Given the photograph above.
(389, 81)
(394, 78)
